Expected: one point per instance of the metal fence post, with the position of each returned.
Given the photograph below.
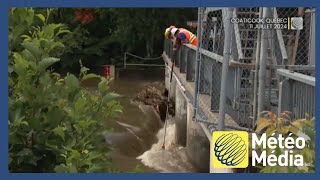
(263, 59)
(198, 56)
(125, 61)
(255, 88)
(225, 67)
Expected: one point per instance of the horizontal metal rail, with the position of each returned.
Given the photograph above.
(237, 64)
(155, 58)
(297, 76)
(296, 93)
(132, 64)
(125, 64)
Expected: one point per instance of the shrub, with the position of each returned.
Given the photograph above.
(54, 124)
(271, 123)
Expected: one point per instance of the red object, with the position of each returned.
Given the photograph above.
(107, 71)
(84, 15)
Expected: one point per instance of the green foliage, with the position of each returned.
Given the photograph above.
(114, 31)
(54, 124)
(270, 123)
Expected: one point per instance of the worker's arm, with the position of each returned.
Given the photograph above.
(177, 44)
(183, 37)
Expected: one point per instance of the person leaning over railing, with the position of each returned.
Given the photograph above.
(185, 36)
(176, 41)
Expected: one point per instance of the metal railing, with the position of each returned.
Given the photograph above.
(296, 93)
(251, 65)
(125, 63)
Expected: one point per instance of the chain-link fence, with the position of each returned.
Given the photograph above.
(238, 107)
(253, 83)
(298, 43)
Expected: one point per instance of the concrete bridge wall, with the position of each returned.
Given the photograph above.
(189, 133)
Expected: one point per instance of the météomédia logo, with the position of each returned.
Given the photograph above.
(230, 149)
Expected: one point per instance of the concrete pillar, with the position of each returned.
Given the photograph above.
(170, 86)
(173, 88)
(112, 71)
(167, 77)
(198, 145)
(180, 117)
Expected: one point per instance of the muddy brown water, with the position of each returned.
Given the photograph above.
(137, 134)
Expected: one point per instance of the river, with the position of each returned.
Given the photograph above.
(137, 135)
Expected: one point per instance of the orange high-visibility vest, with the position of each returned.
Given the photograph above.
(191, 38)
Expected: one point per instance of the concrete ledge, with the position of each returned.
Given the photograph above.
(204, 100)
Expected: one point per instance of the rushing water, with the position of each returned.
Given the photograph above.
(172, 159)
(137, 135)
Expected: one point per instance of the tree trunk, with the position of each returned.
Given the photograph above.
(148, 48)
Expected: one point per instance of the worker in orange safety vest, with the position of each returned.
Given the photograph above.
(185, 36)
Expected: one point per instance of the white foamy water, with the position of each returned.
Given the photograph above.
(173, 159)
(133, 128)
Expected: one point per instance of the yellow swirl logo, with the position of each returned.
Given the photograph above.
(230, 149)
